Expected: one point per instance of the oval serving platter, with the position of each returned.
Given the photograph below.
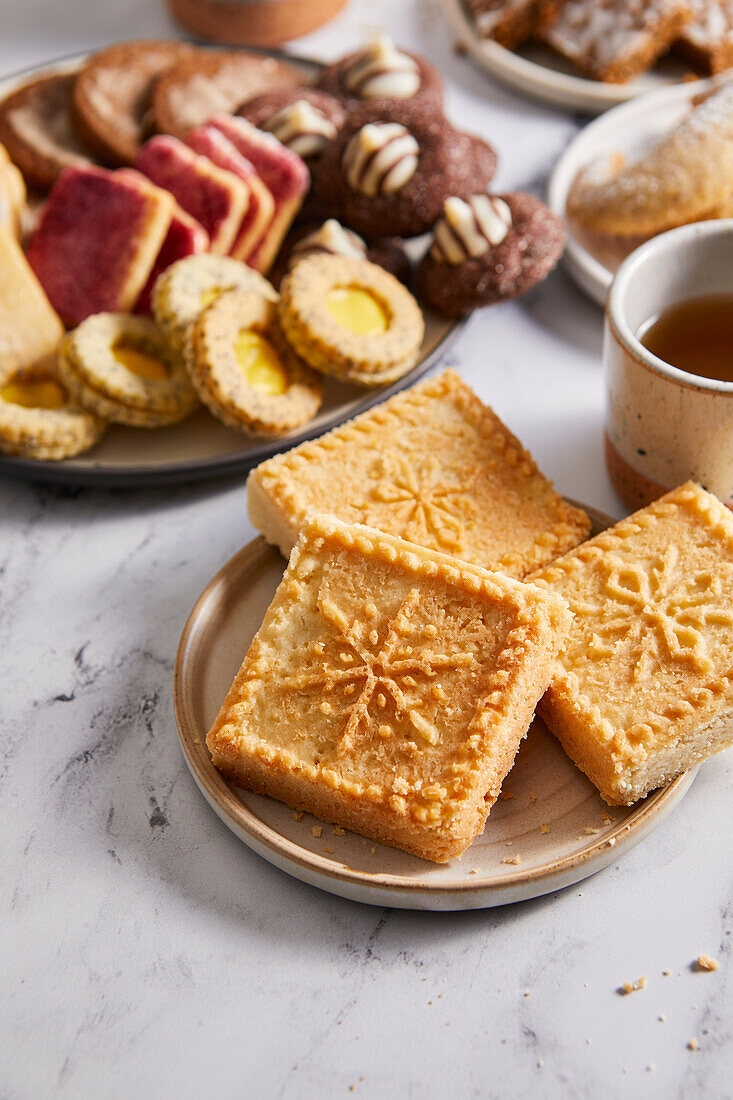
(549, 829)
(201, 447)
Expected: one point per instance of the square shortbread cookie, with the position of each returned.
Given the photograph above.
(644, 685)
(388, 688)
(432, 465)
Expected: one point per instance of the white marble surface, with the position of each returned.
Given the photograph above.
(143, 947)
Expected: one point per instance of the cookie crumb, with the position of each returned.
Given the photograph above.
(692, 1045)
(506, 795)
(706, 962)
(373, 851)
(650, 1068)
(533, 797)
(666, 973)
(662, 1019)
(473, 871)
(298, 815)
(590, 830)
(633, 987)
(338, 831)
(513, 860)
(316, 830)
(544, 828)
(328, 851)
(607, 819)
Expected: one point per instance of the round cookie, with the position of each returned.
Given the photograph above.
(332, 239)
(487, 250)
(383, 75)
(387, 173)
(36, 129)
(350, 319)
(119, 367)
(38, 419)
(244, 370)
(303, 119)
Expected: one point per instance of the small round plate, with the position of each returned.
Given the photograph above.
(537, 72)
(201, 447)
(550, 827)
(630, 129)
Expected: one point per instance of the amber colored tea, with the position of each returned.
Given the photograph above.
(694, 335)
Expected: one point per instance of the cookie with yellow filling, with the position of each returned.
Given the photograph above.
(244, 370)
(432, 465)
(121, 368)
(644, 686)
(351, 319)
(189, 285)
(39, 420)
(388, 688)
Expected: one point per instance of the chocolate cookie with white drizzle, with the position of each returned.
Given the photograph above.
(381, 74)
(303, 119)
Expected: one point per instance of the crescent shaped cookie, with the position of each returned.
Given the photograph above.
(683, 178)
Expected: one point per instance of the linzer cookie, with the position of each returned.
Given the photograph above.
(39, 420)
(97, 240)
(511, 22)
(111, 98)
(214, 81)
(303, 119)
(120, 367)
(644, 686)
(488, 249)
(614, 40)
(36, 130)
(388, 688)
(381, 74)
(243, 369)
(351, 319)
(388, 173)
(707, 40)
(432, 465)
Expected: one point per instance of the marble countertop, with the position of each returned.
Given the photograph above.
(144, 948)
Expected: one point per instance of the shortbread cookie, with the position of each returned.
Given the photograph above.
(511, 22)
(707, 40)
(213, 81)
(38, 419)
(12, 195)
(432, 465)
(190, 285)
(486, 250)
(303, 119)
(120, 368)
(30, 328)
(111, 100)
(644, 686)
(244, 370)
(382, 74)
(351, 319)
(681, 179)
(36, 130)
(388, 688)
(615, 40)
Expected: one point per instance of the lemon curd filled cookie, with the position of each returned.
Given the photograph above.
(351, 319)
(432, 465)
(644, 686)
(39, 420)
(120, 367)
(244, 370)
(388, 688)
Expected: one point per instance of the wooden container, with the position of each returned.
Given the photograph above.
(253, 22)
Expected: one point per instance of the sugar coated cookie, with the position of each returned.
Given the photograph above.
(303, 119)
(382, 74)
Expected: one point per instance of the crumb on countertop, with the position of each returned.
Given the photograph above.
(544, 828)
(692, 1045)
(633, 987)
(512, 859)
(316, 830)
(706, 962)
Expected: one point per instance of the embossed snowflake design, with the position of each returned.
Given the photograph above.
(364, 673)
(661, 612)
(427, 510)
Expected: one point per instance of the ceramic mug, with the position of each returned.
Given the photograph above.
(665, 426)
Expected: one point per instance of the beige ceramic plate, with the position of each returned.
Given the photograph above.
(202, 447)
(543, 789)
(536, 71)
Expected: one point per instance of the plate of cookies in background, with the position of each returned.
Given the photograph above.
(355, 690)
(227, 253)
(590, 55)
(662, 161)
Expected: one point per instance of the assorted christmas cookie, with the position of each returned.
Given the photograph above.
(332, 239)
(39, 420)
(244, 370)
(36, 129)
(120, 367)
(487, 249)
(303, 119)
(351, 319)
(382, 74)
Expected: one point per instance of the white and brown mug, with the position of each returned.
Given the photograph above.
(665, 426)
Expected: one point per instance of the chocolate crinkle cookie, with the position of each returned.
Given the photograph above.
(382, 74)
(389, 171)
(487, 249)
(303, 119)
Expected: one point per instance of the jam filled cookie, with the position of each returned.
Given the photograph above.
(380, 73)
(36, 130)
(244, 370)
(303, 119)
(119, 367)
(38, 419)
(388, 172)
(189, 285)
(487, 249)
(350, 319)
